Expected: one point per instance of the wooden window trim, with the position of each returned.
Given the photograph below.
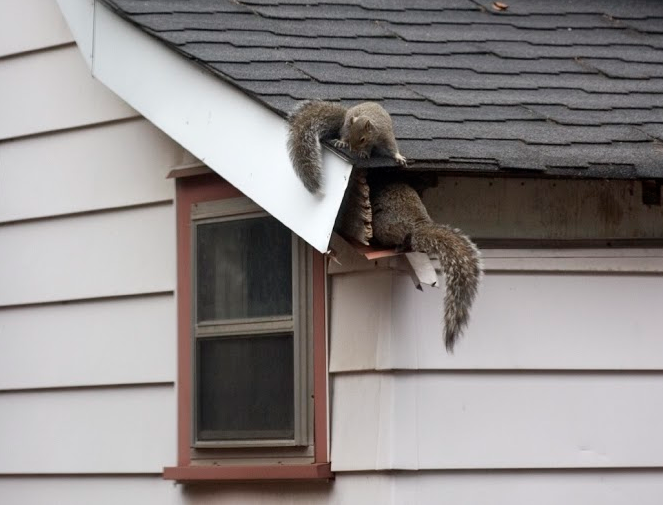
(295, 324)
(209, 187)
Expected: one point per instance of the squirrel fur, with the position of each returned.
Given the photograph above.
(363, 128)
(401, 220)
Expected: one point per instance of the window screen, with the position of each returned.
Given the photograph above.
(246, 388)
(244, 269)
(245, 347)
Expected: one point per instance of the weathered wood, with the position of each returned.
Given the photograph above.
(347, 257)
(503, 208)
(355, 215)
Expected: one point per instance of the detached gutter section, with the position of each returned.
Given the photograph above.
(242, 141)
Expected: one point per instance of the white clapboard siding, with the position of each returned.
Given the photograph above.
(92, 255)
(51, 90)
(98, 430)
(499, 420)
(28, 25)
(422, 488)
(534, 320)
(106, 166)
(113, 341)
(106, 490)
(527, 488)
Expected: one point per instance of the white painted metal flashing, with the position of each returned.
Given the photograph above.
(234, 135)
(79, 15)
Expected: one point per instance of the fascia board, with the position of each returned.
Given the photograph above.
(79, 15)
(241, 140)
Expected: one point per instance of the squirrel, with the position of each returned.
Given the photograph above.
(363, 128)
(401, 220)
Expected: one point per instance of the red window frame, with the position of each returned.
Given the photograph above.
(210, 187)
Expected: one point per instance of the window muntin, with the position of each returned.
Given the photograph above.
(249, 279)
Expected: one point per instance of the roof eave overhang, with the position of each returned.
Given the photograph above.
(238, 138)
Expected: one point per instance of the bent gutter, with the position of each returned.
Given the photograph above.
(241, 140)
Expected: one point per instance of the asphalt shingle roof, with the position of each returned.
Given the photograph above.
(563, 88)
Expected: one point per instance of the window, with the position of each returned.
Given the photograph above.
(251, 342)
(249, 389)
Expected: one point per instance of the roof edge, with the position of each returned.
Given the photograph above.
(238, 138)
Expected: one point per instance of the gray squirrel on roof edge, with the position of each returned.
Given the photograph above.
(363, 128)
(399, 217)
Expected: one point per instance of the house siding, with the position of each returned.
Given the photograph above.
(487, 421)
(46, 27)
(549, 317)
(56, 92)
(96, 342)
(87, 308)
(553, 395)
(103, 166)
(556, 385)
(403, 488)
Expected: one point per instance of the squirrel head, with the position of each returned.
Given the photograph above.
(362, 132)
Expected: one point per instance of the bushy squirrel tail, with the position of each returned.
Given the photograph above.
(461, 264)
(309, 123)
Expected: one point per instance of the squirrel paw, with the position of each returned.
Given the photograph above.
(341, 144)
(400, 159)
(362, 154)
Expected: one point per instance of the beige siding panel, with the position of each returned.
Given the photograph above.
(27, 25)
(360, 320)
(97, 255)
(102, 167)
(498, 420)
(120, 341)
(527, 488)
(533, 320)
(52, 90)
(123, 430)
(430, 488)
(78, 490)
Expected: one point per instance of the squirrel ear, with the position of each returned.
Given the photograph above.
(353, 119)
(368, 126)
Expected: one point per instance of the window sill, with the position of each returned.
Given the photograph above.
(192, 474)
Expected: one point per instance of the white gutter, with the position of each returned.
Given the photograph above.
(234, 135)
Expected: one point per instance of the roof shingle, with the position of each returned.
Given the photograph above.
(563, 88)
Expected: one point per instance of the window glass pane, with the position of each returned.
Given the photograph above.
(244, 269)
(245, 387)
